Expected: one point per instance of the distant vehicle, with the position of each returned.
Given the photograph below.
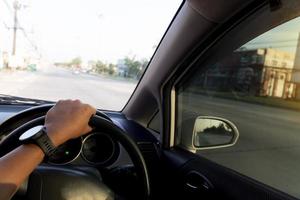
(32, 67)
(76, 72)
(84, 70)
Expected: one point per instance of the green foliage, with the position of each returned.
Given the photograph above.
(135, 68)
(76, 62)
(100, 67)
(112, 69)
(132, 68)
(103, 68)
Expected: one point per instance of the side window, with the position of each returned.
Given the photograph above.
(257, 88)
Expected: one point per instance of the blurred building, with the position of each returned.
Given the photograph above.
(260, 72)
(122, 69)
(296, 73)
(276, 75)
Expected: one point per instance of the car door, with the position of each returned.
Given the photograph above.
(232, 112)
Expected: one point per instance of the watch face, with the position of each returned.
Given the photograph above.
(29, 133)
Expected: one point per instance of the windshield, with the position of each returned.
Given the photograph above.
(94, 50)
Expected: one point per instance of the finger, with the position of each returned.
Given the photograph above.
(77, 101)
(87, 129)
(91, 110)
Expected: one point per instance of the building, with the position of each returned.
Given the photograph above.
(277, 71)
(260, 72)
(122, 69)
(296, 73)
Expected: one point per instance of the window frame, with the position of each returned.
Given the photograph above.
(203, 54)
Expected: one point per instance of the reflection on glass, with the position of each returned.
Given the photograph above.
(265, 70)
(257, 86)
(212, 132)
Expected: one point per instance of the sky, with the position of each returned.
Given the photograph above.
(107, 30)
(96, 29)
(283, 37)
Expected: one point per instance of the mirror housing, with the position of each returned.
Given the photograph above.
(213, 132)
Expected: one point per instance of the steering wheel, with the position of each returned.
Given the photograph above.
(53, 182)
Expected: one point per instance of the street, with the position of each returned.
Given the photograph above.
(268, 149)
(55, 83)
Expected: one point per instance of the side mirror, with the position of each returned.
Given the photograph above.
(213, 132)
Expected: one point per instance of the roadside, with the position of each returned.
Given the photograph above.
(58, 83)
(236, 96)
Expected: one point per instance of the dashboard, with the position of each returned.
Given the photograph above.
(96, 148)
(101, 154)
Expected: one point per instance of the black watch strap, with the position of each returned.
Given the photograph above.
(38, 135)
(45, 143)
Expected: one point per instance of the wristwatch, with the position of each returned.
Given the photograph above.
(38, 135)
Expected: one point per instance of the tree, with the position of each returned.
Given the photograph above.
(100, 67)
(111, 69)
(76, 62)
(133, 66)
(92, 64)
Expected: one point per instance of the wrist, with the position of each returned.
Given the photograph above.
(55, 136)
(35, 148)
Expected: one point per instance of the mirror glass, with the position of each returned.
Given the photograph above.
(212, 132)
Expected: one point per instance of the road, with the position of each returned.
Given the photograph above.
(54, 83)
(268, 149)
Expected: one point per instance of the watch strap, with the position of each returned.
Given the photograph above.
(45, 143)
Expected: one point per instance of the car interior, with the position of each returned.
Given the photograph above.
(135, 153)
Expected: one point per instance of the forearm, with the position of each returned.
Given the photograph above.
(66, 120)
(16, 166)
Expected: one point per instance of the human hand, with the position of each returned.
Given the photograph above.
(68, 119)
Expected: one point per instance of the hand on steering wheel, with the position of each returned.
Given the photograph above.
(61, 127)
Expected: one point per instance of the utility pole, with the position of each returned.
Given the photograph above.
(15, 28)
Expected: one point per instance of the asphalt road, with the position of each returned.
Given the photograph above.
(268, 149)
(54, 83)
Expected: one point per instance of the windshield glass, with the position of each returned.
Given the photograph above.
(93, 50)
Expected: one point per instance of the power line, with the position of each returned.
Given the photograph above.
(18, 26)
(30, 41)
